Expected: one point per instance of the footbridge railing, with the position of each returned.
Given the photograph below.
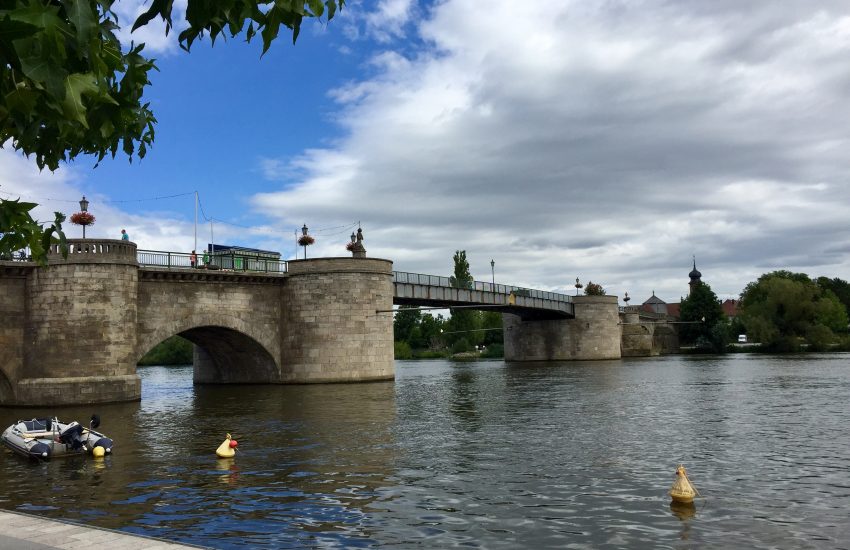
(230, 261)
(433, 290)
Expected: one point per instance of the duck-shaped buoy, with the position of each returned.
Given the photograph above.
(227, 449)
(682, 490)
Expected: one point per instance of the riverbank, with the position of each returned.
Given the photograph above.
(27, 532)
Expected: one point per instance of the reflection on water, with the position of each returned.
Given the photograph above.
(482, 454)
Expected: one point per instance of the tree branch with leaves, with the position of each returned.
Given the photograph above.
(68, 88)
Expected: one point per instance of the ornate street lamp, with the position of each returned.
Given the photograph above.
(305, 240)
(83, 217)
(626, 298)
(578, 285)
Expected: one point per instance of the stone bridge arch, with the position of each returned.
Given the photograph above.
(235, 326)
(223, 354)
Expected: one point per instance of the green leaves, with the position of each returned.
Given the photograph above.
(18, 230)
(75, 86)
(67, 88)
(782, 307)
(263, 17)
(63, 89)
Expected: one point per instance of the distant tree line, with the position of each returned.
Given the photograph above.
(782, 311)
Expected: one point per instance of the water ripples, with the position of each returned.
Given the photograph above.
(473, 455)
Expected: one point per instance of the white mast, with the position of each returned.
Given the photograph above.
(196, 222)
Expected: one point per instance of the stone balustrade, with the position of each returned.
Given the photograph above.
(95, 251)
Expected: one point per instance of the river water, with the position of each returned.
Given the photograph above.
(483, 455)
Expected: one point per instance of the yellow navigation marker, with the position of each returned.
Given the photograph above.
(682, 490)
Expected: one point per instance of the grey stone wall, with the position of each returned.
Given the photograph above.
(13, 288)
(647, 336)
(593, 333)
(80, 327)
(333, 331)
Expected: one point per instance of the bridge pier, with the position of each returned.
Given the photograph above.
(333, 333)
(79, 334)
(593, 333)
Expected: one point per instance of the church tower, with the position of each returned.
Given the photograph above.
(696, 277)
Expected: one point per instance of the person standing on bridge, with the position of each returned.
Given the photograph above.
(124, 235)
(193, 258)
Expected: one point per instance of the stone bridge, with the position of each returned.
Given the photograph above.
(72, 332)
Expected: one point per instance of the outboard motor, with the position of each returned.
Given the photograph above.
(72, 435)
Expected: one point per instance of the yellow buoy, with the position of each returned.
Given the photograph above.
(98, 452)
(226, 450)
(682, 490)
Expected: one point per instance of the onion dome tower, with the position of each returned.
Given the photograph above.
(695, 275)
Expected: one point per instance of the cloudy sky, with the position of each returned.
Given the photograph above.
(610, 140)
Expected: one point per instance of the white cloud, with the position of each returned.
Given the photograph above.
(609, 141)
(153, 34)
(62, 190)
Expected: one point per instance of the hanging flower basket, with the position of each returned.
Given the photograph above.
(350, 246)
(305, 240)
(82, 218)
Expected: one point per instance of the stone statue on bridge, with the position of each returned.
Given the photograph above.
(357, 249)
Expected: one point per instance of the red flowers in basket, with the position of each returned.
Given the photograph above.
(82, 218)
(305, 240)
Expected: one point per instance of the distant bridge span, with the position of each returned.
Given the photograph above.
(417, 289)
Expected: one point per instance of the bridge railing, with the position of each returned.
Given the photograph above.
(226, 262)
(436, 280)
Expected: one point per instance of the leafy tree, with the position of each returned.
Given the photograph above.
(18, 230)
(491, 320)
(839, 287)
(781, 308)
(67, 88)
(461, 278)
(406, 320)
(401, 350)
(704, 320)
(593, 289)
(431, 329)
(462, 321)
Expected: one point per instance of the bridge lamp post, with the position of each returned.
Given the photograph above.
(626, 299)
(493, 274)
(84, 207)
(578, 285)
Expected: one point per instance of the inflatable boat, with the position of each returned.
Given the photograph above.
(47, 437)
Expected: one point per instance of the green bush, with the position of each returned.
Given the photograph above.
(494, 351)
(593, 289)
(173, 351)
(460, 346)
(843, 343)
(402, 350)
(819, 337)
